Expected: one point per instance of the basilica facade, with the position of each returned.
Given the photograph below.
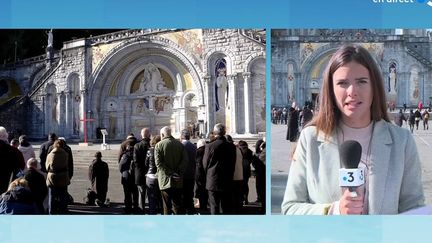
(299, 57)
(127, 80)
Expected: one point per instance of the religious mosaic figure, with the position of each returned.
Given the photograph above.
(414, 84)
(290, 81)
(76, 122)
(163, 103)
(307, 51)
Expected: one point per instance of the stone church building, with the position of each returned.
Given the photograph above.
(127, 80)
(299, 57)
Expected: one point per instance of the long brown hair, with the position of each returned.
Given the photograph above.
(329, 114)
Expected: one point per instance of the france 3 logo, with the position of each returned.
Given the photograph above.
(429, 2)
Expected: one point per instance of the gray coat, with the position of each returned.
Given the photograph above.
(394, 174)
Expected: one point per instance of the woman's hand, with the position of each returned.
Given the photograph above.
(349, 204)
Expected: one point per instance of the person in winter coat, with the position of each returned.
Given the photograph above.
(43, 150)
(247, 155)
(11, 161)
(98, 176)
(36, 182)
(200, 178)
(411, 120)
(399, 118)
(418, 117)
(128, 181)
(139, 167)
(154, 194)
(292, 127)
(57, 178)
(18, 199)
(189, 174)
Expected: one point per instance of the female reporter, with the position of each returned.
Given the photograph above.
(352, 107)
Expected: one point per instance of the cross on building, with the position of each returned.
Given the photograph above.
(85, 120)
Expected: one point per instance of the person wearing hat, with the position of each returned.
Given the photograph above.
(98, 176)
(11, 161)
(43, 151)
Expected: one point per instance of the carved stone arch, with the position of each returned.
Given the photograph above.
(251, 59)
(415, 83)
(393, 61)
(133, 49)
(293, 62)
(191, 66)
(215, 54)
(50, 88)
(184, 96)
(157, 42)
(9, 88)
(319, 55)
(254, 92)
(313, 59)
(50, 119)
(71, 81)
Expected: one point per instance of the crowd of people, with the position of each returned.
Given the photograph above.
(413, 118)
(28, 186)
(171, 172)
(294, 117)
(174, 176)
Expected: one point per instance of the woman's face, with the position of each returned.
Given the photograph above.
(353, 93)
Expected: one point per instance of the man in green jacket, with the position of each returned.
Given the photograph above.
(171, 160)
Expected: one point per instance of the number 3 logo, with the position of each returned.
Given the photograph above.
(351, 177)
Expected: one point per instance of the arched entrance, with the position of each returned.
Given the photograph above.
(141, 84)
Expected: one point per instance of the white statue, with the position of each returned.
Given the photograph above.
(222, 84)
(50, 38)
(414, 85)
(392, 80)
(152, 80)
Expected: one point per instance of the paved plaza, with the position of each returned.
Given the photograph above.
(80, 182)
(280, 162)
